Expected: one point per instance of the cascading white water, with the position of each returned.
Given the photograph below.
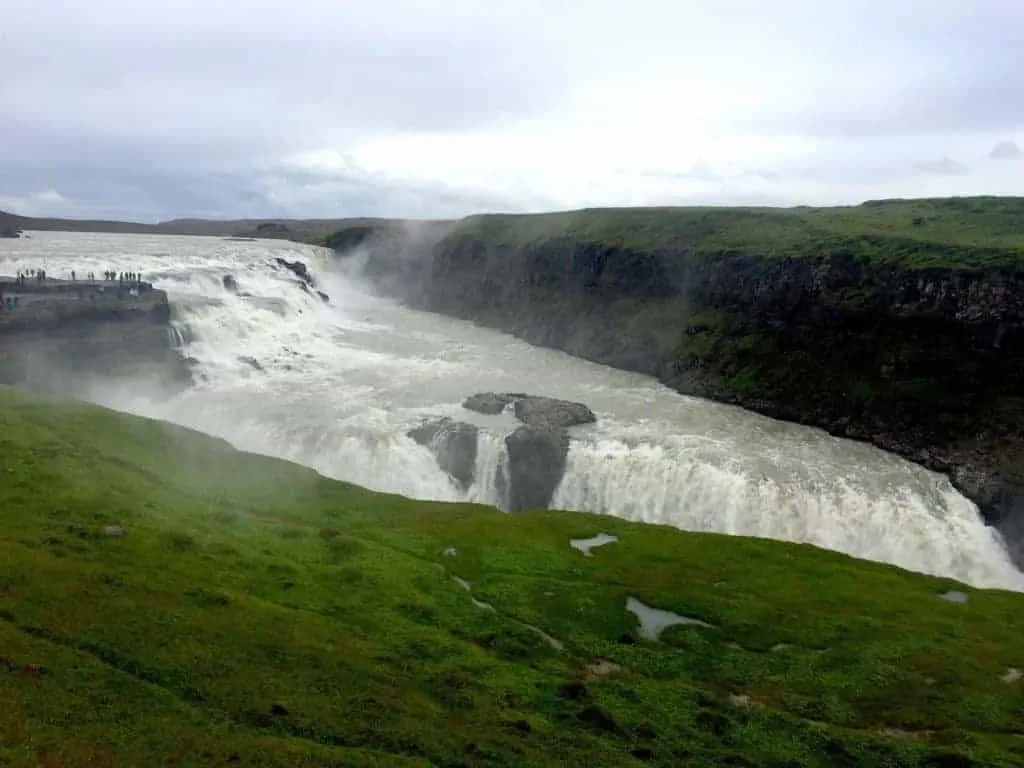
(491, 460)
(914, 519)
(337, 387)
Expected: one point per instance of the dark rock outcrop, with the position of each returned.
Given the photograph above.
(306, 279)
(490, 403)
(66, 337)
(230, 284)
(10, 232)
(533, 410)
(536, 452)
(549, 413)
(536, 463)
(298, 269)
(454, 445)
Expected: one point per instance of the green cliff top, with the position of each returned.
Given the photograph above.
(255, 613)
(969, 232)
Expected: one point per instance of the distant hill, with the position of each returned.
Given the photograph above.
(14, 221)
(303, 230)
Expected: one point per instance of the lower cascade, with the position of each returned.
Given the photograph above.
(345, 384)
(932, 529)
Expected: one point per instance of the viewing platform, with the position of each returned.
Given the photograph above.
(30, 301)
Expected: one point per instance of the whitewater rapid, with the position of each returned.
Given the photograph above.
(337, 386)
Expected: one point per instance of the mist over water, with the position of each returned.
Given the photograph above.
(337, 386)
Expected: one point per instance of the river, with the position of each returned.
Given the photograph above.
(336, 387)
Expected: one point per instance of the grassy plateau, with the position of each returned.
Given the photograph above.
(964, 233)
(168, 600)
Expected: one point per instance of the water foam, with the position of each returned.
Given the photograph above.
(922, 523)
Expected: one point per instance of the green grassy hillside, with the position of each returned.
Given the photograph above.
(968, 232)
(255, 613)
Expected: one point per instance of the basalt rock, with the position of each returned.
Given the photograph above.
(536, 463)
(533, 410)
(454, 445)
(549, 413)
(490, 402)
(298, 269)
(65, 337)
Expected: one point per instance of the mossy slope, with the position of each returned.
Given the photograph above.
(255, 613)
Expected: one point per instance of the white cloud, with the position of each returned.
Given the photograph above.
(46, 203)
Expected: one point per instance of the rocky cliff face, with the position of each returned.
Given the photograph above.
(65, 338)
(927, 362)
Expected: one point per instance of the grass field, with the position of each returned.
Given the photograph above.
(246, 611)
(970, 232)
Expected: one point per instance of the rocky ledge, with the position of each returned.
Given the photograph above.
(536, 451)
(297, 268)
(64, 337)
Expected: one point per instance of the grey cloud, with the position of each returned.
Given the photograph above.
(109, 186)
(697, 172)
(917, 68)
(249, 70)
(944, 166)
(158, 110)
(761, 173)
(979, 102)
(1005, 150)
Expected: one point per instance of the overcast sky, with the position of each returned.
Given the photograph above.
(324, 108)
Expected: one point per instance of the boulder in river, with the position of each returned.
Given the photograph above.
(454, 445)
(533, 410)
(230, 284)
(549, 413)
(490, 402)
(536, 462)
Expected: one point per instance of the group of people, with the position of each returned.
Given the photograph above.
(109, 275)
(127, 283)
(34, 274)
(121, 277)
